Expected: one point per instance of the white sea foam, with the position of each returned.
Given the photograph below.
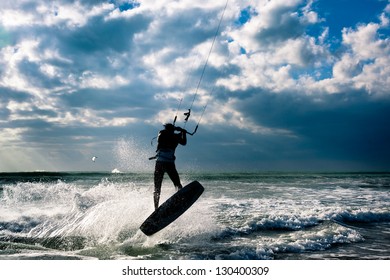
(101, 218)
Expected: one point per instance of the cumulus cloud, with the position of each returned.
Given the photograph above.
(83, 71)
(295, 57)
(363, 65)
(272, 43)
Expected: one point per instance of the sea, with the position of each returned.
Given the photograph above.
(240, 216)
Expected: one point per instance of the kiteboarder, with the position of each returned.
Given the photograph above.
(167, 142)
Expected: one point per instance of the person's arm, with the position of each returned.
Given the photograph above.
(183, 136)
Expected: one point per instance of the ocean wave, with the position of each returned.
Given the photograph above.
(268, 246)
(99, 216)
(245, 253)
(22, 224)
(280, 223)
(33, 255)
(329, 234)
(361, 216)
(253, 217)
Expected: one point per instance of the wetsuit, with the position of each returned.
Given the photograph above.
(168, 140)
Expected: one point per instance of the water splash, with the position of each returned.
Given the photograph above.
(132, 156)
(98, 215)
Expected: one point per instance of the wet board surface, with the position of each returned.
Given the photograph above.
(172, 208)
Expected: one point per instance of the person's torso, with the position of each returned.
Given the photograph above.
(167, 143)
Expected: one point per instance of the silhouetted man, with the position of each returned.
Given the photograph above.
(167, 140)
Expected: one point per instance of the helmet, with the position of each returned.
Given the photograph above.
(169, 126)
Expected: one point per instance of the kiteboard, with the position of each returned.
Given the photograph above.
(172, 208)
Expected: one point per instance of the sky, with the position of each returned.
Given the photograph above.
(287, 85)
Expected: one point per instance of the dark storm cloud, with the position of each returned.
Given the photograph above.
(186, 36)
(100, 35)
(349, 126)
(6, 95)
(32, 72)
(134, 96)
(285, 24)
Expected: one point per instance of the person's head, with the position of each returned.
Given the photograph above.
(169, 127)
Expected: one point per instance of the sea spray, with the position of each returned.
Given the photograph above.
(132, 156)
(100, 213)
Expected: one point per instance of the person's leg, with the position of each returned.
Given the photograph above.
(158, 178)
(174, 175)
